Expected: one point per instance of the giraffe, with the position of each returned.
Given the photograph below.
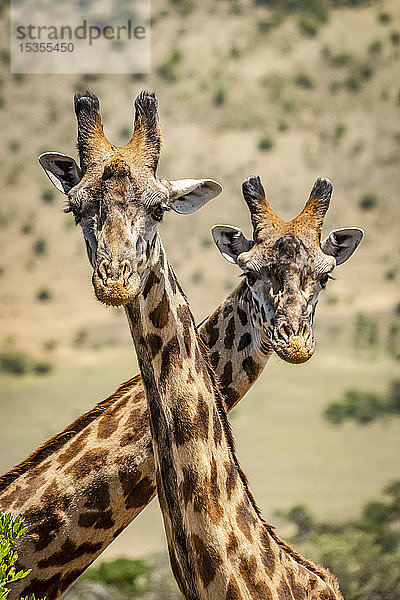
(126, 481)
(219, 545)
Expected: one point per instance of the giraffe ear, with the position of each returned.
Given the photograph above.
(188, 195)
(62, 170)
(341, 243)
(230, 242)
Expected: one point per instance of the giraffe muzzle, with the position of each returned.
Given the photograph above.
(115, 284)
(294, 346)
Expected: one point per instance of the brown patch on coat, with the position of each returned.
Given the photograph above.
(245, 518)
(231, 478)
(229, 334)
(159, 316)
(208, 560)
(258, 589)
(96, 519)
(107, 426)
(251, 368)
(155, 343)
(233, 591)
(244, 341)
(68, 552)
(267, 557)
(93, 460)
(151, 280)
(226, 377)
(232, 545)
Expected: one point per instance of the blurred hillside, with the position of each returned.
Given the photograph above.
(245, 87)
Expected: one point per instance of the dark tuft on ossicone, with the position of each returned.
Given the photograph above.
(146, 104)
(322, 189)
(86, 102)
(253, 192)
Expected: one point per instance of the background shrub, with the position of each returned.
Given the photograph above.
(11, 529)
(15, 363)
(368, 201)
(265, 143)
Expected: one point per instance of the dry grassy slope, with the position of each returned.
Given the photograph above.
(217, 141)
(202, 139)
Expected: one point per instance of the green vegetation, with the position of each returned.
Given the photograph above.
(265, 143)
(40, 246)
(26, 228)
(197, 276)
(168, 70)
(127, 579)
(14, 145)
(19, 363)
(220, 94)
(338, 59)
(266, 25)
(304, 81)
(353, 81)
(42, 368)
(368, 201)
(127, 575)
(340, 130)
(48, 195)
(15, 363)
(395, 38)
(375, 47)
(43, 295)
(80, 338)
(366, 332)
(351, 3)
(357, 75)
(184, 6)
(364, 554)
(384, 17)
(308, 24)
(370, 335)
(364, 407)
(11, 528)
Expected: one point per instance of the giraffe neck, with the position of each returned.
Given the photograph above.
(237, 351)
(64, 537)
(219, 545)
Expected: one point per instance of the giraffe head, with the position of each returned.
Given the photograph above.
(286, 265)
(117, 197)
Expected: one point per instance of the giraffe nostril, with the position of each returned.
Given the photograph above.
(104, 271)
(305, 330)
(126, 272)
(285, 331)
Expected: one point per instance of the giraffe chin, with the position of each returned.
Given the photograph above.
(296, 351)
(115, 293)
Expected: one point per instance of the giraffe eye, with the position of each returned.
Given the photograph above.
(158, 212)
(76, 208)
(324, 279)
(251, 277)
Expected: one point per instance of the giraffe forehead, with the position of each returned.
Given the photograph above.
(116, 179)
(288, 252)
(288, 255)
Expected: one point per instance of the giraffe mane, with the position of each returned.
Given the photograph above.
(60, 439)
